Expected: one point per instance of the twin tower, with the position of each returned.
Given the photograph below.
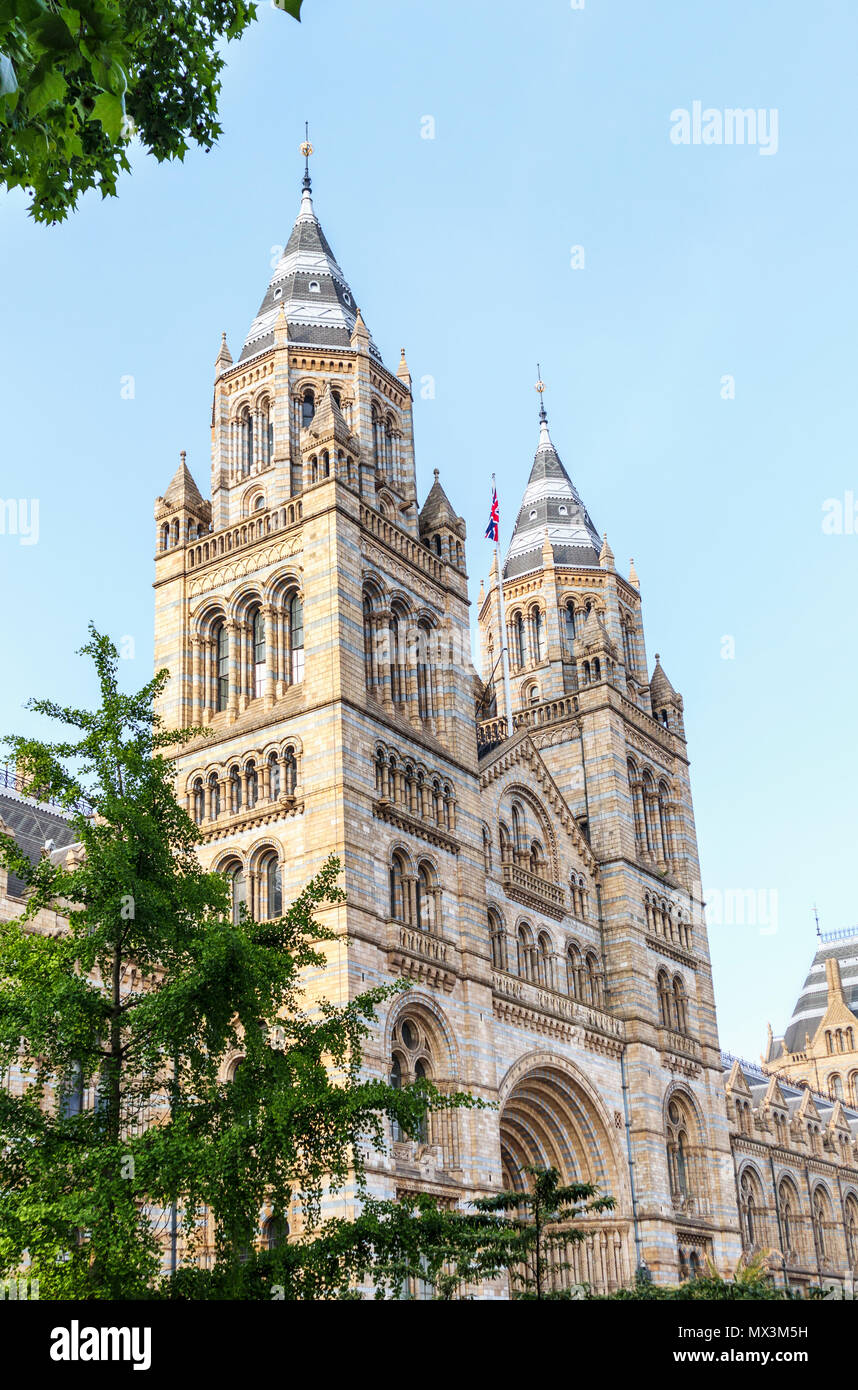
(539, 889)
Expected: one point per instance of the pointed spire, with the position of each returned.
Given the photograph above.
(224, 357)
(183, 491)
(551, 500)
(481, 596)
(661, 691)
(402, 370)
(633, 575)
(547, 552)
(281, 329)
(437, 511)
(606, 554)
(309, 286)
(306, 150)
(360, 336)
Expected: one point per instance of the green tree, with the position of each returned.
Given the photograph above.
(138, 1005)
(79, 79)
(533, 1240)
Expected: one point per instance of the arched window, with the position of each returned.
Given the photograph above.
(749, 1211)
(680, 1010)
(396, 1069)
(569, 616)
(821, 1221)
(538, 863)
(427, 914)
(221, 637)
(252, 782)
(497, 937)
(664, 999)
(238, 889)
(506, 846)
(234, 791)
(271, 905)
(199, 801)
(399, 904)
(545, 961)
(851, 1223)
(424, 674)
(573, 972)
(412, 1061)
(678, 1152)
(296, 628)
(308, 409)
(290, 771)
(487, 849)
(787, 1204)
(593, 981)
(835, 1087)
(275, 1232)
(397, 684)
(273, 776)
(214, 794)
(524, 942)
(258, 654)
(517, 838)
(246, 436)
(519, 643)
(537, 630)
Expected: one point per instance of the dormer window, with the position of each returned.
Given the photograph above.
(533, 515)
(347, 299)
(278, 292)
(564, 511)
(315, 287)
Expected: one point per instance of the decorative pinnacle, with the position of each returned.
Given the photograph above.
(182, 455)
(306, 150)
(540, 387)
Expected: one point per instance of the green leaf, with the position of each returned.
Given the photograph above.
(109, 109)
(8, 80)
(50, 90)
(292, 7)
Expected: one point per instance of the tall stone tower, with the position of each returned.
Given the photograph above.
(537, 891)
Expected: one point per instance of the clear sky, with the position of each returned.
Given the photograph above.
(552, 130)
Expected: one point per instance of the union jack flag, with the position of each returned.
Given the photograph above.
(493, 528)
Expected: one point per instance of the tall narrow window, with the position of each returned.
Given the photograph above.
(296, 625)
(308, 409)
(238, 890)
(258, 654)
(222, 649)
(290, 768)
(424, 678)
(519, 647)
(569, 614)
(273, 888)
(273, 776)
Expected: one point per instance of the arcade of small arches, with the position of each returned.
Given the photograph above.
(261, 523)
(398, 646)
(660, 921)
(253, 650)
(839, 1040)
(532, 954)
(409, 785)
(655, 816)
(808, 1228)
(322, 465)
(523, 832)
(243, 785)
(686, 1153)
(251, 437)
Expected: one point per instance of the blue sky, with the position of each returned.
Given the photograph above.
(552, 130)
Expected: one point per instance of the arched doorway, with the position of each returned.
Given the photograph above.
(550, 1118)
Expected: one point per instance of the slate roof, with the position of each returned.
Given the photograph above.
(551, 502)
(437, 511)
(813, 999)
(318, 318)
(32, 824)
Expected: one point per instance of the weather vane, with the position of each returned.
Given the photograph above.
(540, 387)
(306, 150)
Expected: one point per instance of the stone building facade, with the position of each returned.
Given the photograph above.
(540, 890)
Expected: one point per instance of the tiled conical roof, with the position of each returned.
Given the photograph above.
(183, 491)
(813, 1000)
(551, 505)
(309, 284)
(660, 689)
(437, 510)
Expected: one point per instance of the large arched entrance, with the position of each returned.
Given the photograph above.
(550, 1118)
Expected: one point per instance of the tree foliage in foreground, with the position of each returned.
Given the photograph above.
(79, 79)
(139, 1004)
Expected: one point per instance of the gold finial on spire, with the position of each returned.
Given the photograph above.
(540, 387)
(306, 150)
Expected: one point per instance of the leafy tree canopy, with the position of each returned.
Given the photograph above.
(79, 80)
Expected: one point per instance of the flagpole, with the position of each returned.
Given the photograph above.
(507, 690)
